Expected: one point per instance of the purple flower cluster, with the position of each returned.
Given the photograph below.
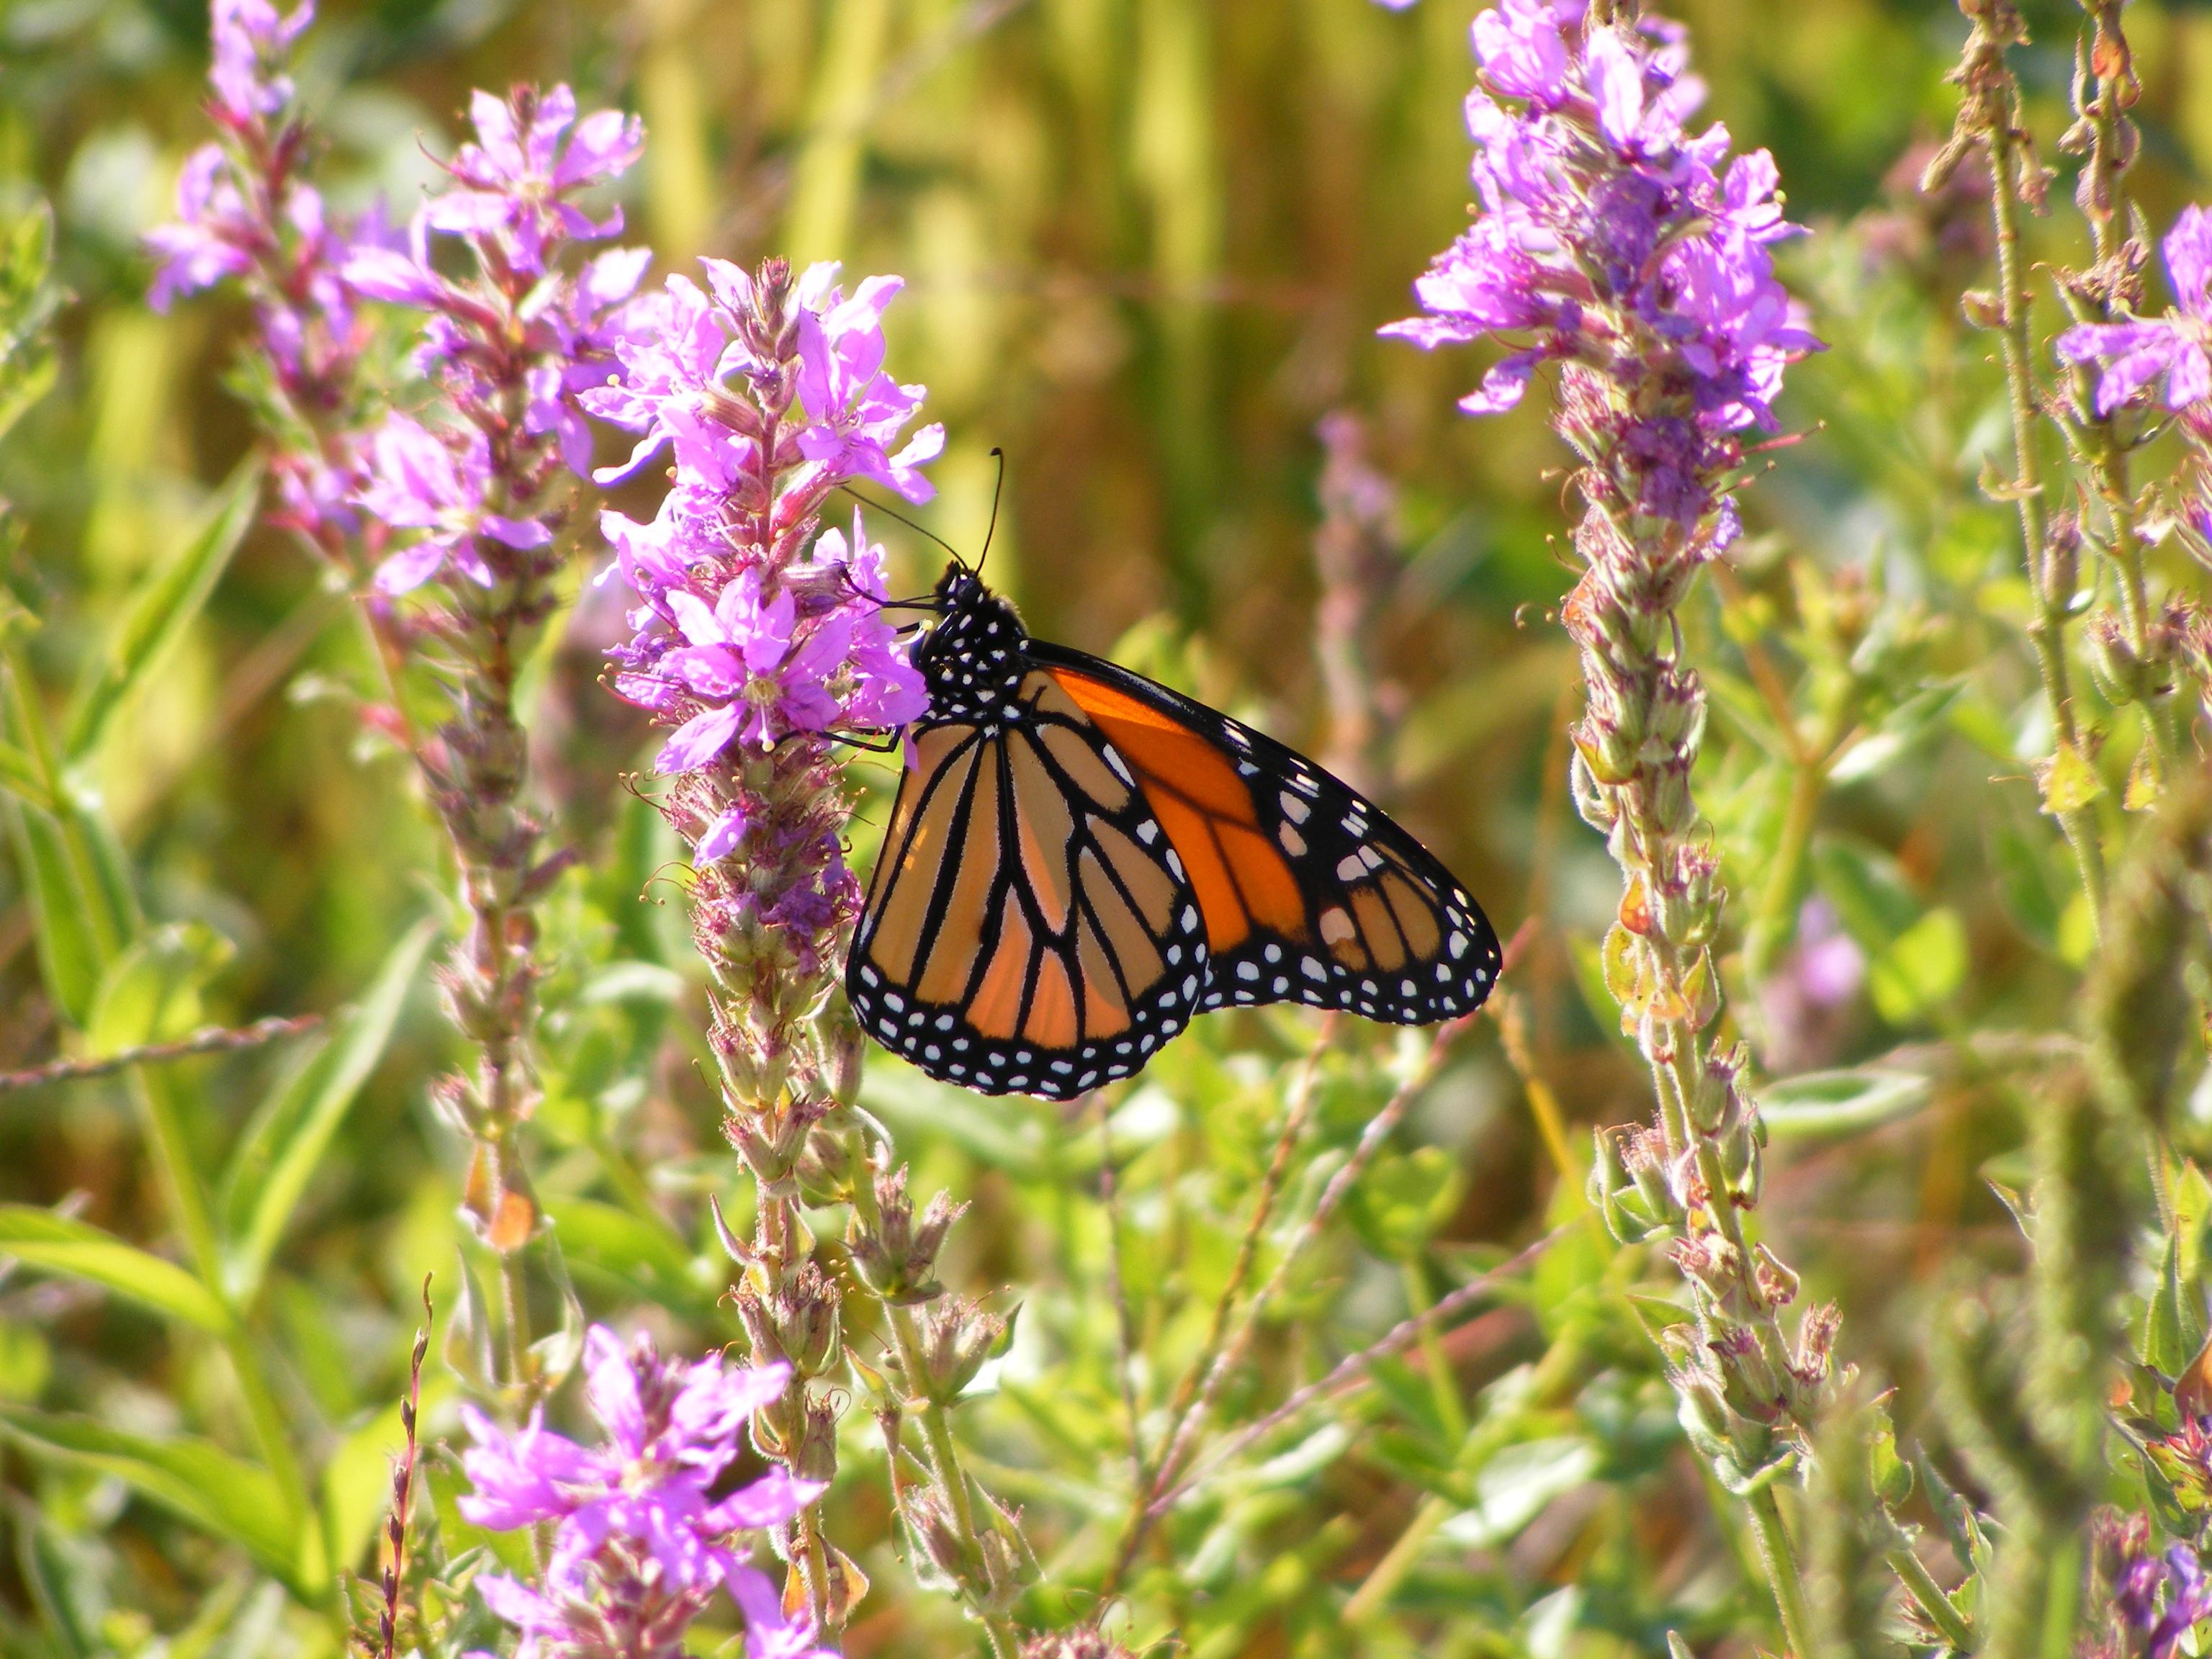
(679, 347)
(244, 212)
(639, 1547)
(738, 640)
(1610, 239)
(735, 667)
(511, 348)
(2155, 1600)
(2134, 354)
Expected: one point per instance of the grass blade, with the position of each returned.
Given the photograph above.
(292, 1131)
(60, 1244)
(205, 1486)
(164, 607)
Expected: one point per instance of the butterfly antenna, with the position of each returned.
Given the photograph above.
(907, 522)
(997, 490)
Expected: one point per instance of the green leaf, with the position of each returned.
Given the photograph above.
(1514, 1486)
(1872, 898)
(20, 776)
(1924, 966)
(71, 954)
(151, 993)
(2172, 1326)
(2033, 894)
(292, 1130)
(1840, 1103)
(27, 302)
(61, 1572)
(648, 1261)
(1903, 727)
(63, 1245)
(225, 1496)
(163, 608)
(1402, 1200)
(2192, 1207)
(2069, 782)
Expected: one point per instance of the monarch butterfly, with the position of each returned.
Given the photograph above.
(1080, 860)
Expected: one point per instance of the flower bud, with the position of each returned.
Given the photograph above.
(1592, 801)
(929, 1523)
(805, 1311)
(1687, 905)
(817, 1445)
(844, 1048)
(1743, 1162)
(770, 1142)
(1702, 1414)
(828, 1167)
(896, 1256)
(1776, 1282)
(2113, 664)
(2060, 567)
(1983, 308)
(957, 1336)
(1647, 1169)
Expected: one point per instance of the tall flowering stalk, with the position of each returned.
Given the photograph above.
(639, 1547)
(758, 636)
(1610, 240)
(478, 499)
(462, 510)
(246, 211)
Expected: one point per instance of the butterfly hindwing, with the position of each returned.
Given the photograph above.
(1028, 928)
(1310, 893)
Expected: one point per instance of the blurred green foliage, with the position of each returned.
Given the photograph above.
(1147, 242)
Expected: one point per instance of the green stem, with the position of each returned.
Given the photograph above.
(1953, 1626)
(1443, 1387)
(2047, 631)
(1390, 1571)
(1780, 1557)
(944, 1466)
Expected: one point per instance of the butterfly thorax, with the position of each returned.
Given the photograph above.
(973, 660)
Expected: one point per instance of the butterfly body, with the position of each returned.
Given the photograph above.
(1080, 860)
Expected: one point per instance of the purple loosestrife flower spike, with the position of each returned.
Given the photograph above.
(1609, 239)
(756, 633)
(2135, 354)
(250, 44)
(423, 482)
(244, 212)
(477, 497)
(639, 1545)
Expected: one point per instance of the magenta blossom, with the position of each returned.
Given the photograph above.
(250, 44)
(887, 693)
(513, 183)
(671, 348)
(680, 346)
(213, 235)
(857, 409)
(637, 1538)
(2136, 353)
(815, 654)
(419, 481)
(743, 651)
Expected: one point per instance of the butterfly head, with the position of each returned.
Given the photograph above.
(972, 659)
